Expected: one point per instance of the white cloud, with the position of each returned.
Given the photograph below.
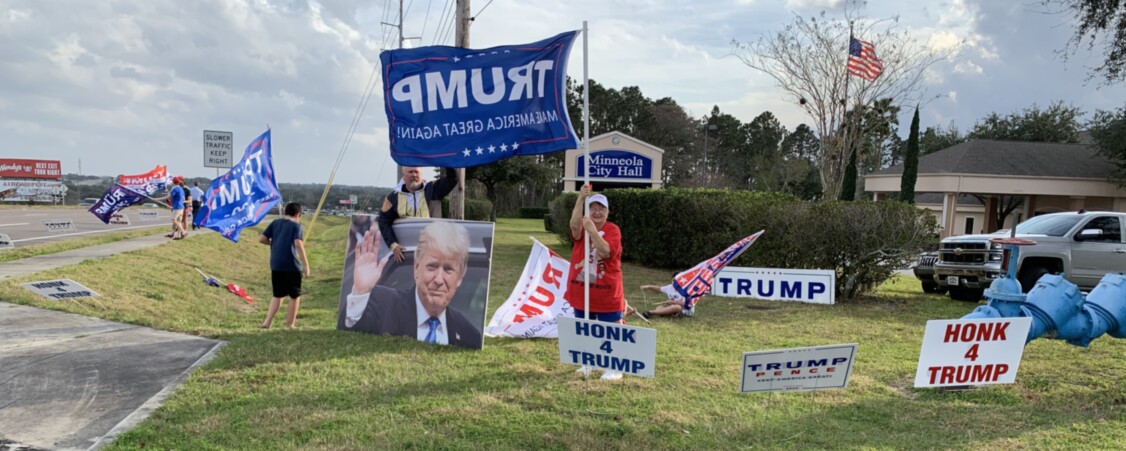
(809, 4)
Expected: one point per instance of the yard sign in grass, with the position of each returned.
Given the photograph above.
(608, 346)
(971, 352)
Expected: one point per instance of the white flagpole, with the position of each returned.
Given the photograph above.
(586, 170)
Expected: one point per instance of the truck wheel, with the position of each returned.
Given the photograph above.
(930, 287)
(1029, 275)
(966, 294)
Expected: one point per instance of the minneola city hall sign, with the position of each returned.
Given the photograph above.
(617, 160)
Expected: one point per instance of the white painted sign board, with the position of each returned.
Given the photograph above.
(59, 225)
(971, 352)
(218, 149)
(608, 346)
(813, 286)
(798, 369)
(148, 215)
(60, 289)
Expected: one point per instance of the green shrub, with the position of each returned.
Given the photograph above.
(864, 242)
(475, 209)
(548, 222)
(532, 212)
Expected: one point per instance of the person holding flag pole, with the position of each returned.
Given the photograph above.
(596, 263)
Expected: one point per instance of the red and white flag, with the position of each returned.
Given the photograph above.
(532, 308)
(862, 60)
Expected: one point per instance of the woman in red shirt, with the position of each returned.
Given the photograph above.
(607, 297)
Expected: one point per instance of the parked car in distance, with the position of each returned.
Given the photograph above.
(88, 202)
(151, 205)
(924, 271)
(1083, 246)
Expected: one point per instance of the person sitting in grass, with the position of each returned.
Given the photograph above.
(674, 306)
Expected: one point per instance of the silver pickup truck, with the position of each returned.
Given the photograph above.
(1084, 246)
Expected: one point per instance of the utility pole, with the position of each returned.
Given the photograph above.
(462, 20)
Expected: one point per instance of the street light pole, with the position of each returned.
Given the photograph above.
(703, 176)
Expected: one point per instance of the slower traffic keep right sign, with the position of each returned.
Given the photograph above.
(971, 352)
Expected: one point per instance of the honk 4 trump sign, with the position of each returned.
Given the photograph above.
(971, 352)
(455, 108)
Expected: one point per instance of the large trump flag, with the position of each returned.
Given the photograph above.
(244, 195)
(455, 108)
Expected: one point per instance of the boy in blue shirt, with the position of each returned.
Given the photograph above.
(288, 262)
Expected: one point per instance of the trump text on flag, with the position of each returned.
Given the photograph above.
(971, 352)
(537, 301)
(455, 107)
(241, 197)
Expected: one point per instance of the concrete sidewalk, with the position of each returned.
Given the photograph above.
(73, 382)
(51, 261)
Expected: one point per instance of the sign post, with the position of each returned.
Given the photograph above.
(218, 149)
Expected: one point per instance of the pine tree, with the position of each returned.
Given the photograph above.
(910, 162)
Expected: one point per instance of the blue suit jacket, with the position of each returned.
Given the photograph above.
(393, 312)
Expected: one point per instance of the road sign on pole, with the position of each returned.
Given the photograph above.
(218, 149)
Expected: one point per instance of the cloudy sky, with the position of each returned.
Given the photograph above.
(123, 85)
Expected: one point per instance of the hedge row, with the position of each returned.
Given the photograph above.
(475, 209)
(864, 242)
(532, 212)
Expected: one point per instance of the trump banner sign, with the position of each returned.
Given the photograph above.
(456, 108)
(532, 309)
(241, 197)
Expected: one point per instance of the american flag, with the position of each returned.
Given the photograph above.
(862, 60)
(696, 282)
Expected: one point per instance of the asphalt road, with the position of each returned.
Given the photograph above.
(25, 225)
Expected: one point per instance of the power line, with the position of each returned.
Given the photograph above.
(450, 30)
(424, 21)
(481, 10)
(442, 22)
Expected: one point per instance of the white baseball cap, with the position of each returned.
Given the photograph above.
(600, 198)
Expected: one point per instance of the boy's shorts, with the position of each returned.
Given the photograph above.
(286, 283)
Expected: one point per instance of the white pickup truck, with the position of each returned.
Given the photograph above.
(1083, 245)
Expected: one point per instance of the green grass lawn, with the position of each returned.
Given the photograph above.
(316, 387)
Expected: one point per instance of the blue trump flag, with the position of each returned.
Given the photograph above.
(115, 199)
(242, 196)
(455, 108)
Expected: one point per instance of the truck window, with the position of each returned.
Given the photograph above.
(1050, 225)
(1110, 227)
